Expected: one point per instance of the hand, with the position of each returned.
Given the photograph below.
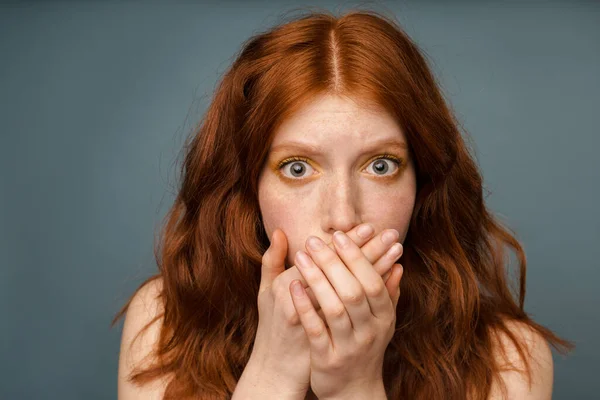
(281, 349)
(347, 348)
(378, 252)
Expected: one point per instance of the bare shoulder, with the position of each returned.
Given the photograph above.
(144, 308)
(539, 356)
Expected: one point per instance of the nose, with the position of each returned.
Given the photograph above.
(341, 206)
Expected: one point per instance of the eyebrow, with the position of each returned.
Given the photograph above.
(316, 150)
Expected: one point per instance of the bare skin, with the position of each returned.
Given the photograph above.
(336, 181)
(331, 167)
(280, 359)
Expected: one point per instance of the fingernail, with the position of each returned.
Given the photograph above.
(365, 231)
(302, 259)
(395, 250)
(314, 243)
(297, 288)
(341, 239)
(389, 237)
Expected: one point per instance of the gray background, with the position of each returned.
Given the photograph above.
(97, 99)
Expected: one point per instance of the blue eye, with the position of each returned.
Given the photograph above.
(296, 166)
(382, 165)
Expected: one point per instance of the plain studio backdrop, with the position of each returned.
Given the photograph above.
(96, 100)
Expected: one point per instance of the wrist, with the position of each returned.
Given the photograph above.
(374, 391)
(258, 383)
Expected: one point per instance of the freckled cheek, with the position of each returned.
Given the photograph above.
(391, 211)
(292, 216)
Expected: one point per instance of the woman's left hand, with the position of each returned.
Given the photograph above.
(360, 309)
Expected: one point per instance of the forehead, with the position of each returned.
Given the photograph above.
(330, 117)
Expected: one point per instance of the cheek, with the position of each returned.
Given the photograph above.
(276, 210)
(290, 214)
(389, 211)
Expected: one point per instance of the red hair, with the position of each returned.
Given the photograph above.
(455, 292)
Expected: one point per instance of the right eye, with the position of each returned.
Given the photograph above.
(295, 167)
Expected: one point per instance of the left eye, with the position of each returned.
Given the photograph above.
(382, 165)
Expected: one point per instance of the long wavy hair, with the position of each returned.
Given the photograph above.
(455, 289)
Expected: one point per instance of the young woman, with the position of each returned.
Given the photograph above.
(331, 131)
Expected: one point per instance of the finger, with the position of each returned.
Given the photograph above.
(291, 274)
(393, 284)
(333, 308)
(346, 288)
(273, 260)
(378, 247)
(373, 247)
(294, 274)
(372, 285)
(314, 326)
(386, 261)
(313, 300)
(298, 276)
(360, 235)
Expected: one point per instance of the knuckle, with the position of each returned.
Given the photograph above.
(336, 364)
(337, 311)
(315, 330)
(369, 338)
(375, 289)
(353, 297)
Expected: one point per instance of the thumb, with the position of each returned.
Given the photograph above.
(273, 261)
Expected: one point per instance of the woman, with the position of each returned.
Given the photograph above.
(332, 128)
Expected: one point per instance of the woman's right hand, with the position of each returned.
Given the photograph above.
(281, 350)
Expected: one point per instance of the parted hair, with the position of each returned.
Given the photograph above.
(456, 293)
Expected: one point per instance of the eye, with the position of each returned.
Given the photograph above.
(383, 164)
(295, 167)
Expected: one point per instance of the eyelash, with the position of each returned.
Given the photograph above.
(390, 157)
